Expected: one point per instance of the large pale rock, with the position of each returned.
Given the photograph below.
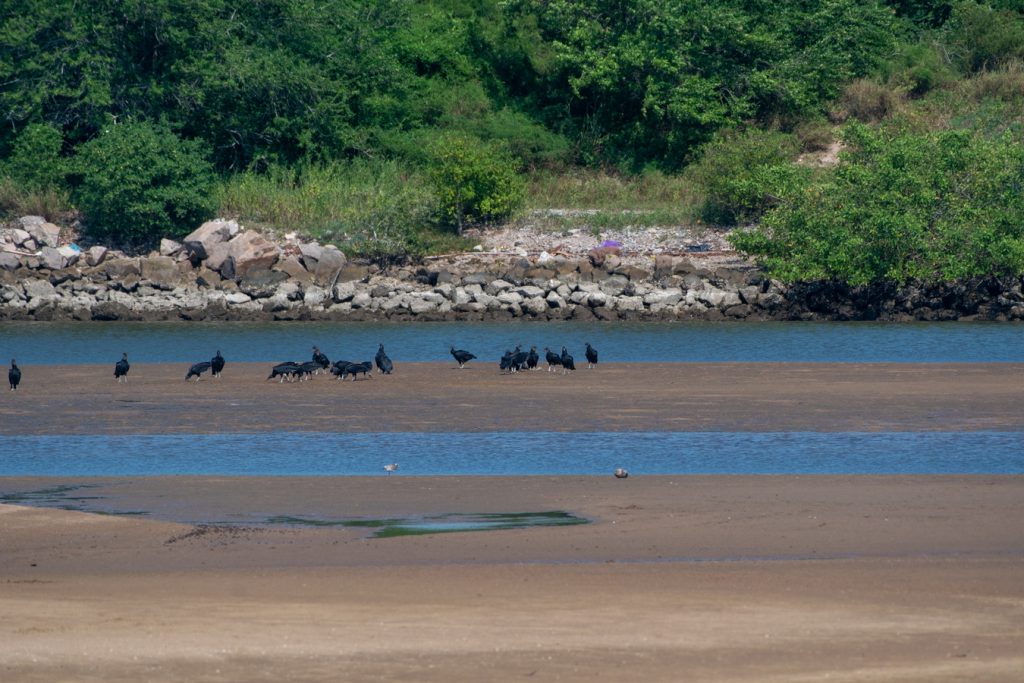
(530, 292)
(39, 289)
(19, 236)
(329, 265)
(343, 292)
(361, 300)
(169, 247)
(260, 284)
(595, 299)
(315, 296)
(614, 285)
(498, 286)
(433, 297)
(236, 298)
(251, 251)
(508, 298)
(718, 298)
(120, 268)
(311, 252)
(45, 234)
(9, 261)
(51, 259)
(217, 258)
(629, 303)
(211, 233)
(95, 255)
(535, 305)
(294, 269)
(418, 306)
(161, 271)
(461, 296)
(70, 254)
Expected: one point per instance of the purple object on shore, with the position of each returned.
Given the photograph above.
(611, 243)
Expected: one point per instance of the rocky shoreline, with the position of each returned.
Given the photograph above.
(221, 272)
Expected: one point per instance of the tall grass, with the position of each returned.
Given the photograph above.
(378, 209)
(52, 203)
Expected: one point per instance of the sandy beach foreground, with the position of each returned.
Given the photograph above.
(84, 399)
(676, 578)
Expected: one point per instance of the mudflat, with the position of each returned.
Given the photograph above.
(710, 578)
(84, 399)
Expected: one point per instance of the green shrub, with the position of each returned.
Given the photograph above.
(139, 182)
(35, 161)
(902, 206)
(474, 182)
(743, 174)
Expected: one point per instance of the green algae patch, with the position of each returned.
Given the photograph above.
(441, 524)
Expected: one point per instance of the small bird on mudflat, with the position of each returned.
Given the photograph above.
(461, 357)
(391, 468)
(14, 376)
(217, 364)
(591, 356)
(198, 369)
(121, 368)
(621, 473)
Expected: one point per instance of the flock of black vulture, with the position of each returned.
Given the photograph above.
(513, 361)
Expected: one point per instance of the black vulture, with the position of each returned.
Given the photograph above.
(461, 357)
(198, 369)
(519, 359)
(217, 364)
(384, 363)
(308, 369)
(591, 356)
(320, 359)
(506, 361)
(14, 375)
(121, 368)
(531, 360)
(338, 369)
(552, 358)
(567, 362)
(284, 371)
(356, 369)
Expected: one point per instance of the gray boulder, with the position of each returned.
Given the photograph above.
(120, 268)
(9, 261)
(211, 233)
(161, 271)
(95, 255)
(51, 259)
(45, 234)
(252, 251)
(169, 247)
(329, 265)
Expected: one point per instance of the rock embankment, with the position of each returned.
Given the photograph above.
(221, 272)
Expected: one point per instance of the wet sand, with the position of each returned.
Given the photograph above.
(677, 578)
(84, 399)
(768, 578)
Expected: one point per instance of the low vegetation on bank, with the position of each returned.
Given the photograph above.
(859, 142)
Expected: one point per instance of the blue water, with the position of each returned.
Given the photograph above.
(71, 343)
(515, 453)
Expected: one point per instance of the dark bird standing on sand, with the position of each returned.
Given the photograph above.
(532, 358)
(552, 358)
(338, 368)
(384, 363)
(591, 356)
(567, 362)
(217, 364)
(506, 361)
(320, 359)
(461, 357)
(284, 371)
(14, 376)
(198, 369)
(519, 359)
(356, 369)
(121, 368)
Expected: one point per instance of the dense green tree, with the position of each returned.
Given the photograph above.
(138, 182)
(902, 206)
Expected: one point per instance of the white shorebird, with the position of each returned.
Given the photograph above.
(391, 468)
(621, 473)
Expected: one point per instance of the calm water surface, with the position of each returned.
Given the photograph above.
(71, 343)
(516, 453)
